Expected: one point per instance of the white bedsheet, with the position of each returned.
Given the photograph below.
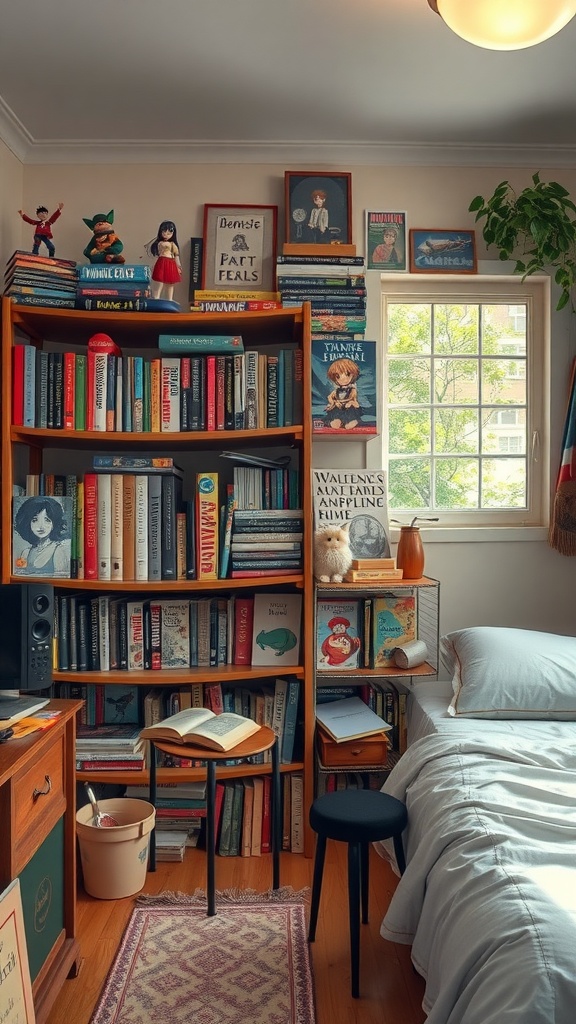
(488, 899)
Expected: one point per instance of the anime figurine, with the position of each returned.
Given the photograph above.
(40, 522)
(167, 270)
(343, 408)
(43, 227)
(104, 246)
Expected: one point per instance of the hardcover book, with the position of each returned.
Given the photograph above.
(175, 634)
(199, 343)
(344, 387)
(359, 498)
(393, 623)
(276, 629)
(349, 719)
(121, 705)
(338, 634)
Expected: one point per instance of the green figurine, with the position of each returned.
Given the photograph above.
(104, 246)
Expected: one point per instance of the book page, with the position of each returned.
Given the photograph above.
(183, 723)
(221, 726)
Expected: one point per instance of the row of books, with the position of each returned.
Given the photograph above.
(381, 696)
(244, 825)
(105, 392)
(112, 634)
(111, 745)
(363, 632)
(132, 523)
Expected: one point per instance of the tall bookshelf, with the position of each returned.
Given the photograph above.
(35, 450)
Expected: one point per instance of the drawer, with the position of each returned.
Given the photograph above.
(36, 815)
(370, 750)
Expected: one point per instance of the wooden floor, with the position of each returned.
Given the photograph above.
(390, 991)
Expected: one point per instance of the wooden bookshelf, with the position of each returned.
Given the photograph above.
(35, 450)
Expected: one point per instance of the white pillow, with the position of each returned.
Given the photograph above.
(511, 673)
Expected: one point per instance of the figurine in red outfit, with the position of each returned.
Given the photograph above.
(43, 227)
(167, 270)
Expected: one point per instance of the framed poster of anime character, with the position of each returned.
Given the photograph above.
(386, 239)
(239, 248)
(318, 207)
(442, 252)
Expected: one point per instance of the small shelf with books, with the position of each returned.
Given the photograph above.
(178, 474)
(358, 628)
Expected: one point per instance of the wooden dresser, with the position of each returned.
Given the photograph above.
(38, 845)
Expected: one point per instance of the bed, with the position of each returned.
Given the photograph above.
(488, 898)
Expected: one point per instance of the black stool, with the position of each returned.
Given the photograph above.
(357, 817)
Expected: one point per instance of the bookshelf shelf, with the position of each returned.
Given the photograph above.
(426, 611)
(177, 775)
(30, 450)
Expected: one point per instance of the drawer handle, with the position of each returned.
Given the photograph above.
(43, 792)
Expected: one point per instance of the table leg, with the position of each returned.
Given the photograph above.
(152, 795)
(210, 835)
(276, 824)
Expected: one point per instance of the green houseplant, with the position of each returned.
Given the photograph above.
(536, 227)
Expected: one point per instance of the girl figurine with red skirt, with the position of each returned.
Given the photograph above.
(167, 270)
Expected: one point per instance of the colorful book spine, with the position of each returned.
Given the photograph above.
(114, 272)
(207, 508)
(198, 343)
(170, 395)
(29, 403)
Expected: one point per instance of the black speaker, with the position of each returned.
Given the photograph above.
(26, 630)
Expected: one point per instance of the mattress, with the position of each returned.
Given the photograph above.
(426, 715)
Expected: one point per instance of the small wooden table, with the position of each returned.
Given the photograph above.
(264, 739)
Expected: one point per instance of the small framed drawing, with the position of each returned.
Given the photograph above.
(386, 240)
(442, 252)
(239, 248)
(318, 207)
(41, 536)
(17, 1001)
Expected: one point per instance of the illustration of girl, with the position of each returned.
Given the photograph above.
(385, 254)
(343, 409)
(167, 270)
(40, 522)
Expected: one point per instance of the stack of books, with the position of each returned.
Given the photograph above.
(373, 570)
(117, 287)
(32, 280)
(335, 286)
(109, 748)
(266, 542)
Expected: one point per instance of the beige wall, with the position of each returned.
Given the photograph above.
(521, 583)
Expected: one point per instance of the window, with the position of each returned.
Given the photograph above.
(465, 388)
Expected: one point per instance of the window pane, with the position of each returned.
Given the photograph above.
(409, 328)
(409, 382)
(504, 483)
(456, 329)
(456, 431)
(504, 380)
(504, 430)
(456, 381)
(409, 482)
(456, 483)
(409, 431)
(504, 329)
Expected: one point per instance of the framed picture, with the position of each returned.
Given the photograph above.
(239, 248)
(318, 207)
(442, 252)
(16, 984)
(386, 241)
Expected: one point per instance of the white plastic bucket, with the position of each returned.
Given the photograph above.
(115, 859)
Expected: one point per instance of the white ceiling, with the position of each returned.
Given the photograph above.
(373, 81)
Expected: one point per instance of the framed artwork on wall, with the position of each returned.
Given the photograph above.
(318, 207)
(442, 252)
(386, 240)
(239, 248)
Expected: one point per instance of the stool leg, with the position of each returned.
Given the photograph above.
(399, 851)
(354, 912)
(316, 886)
(364, 879)
(152, 798)
(210, 836)
(276, 799)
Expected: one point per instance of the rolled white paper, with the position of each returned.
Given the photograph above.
(411, 654)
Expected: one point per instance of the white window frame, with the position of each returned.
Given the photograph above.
(535, 294)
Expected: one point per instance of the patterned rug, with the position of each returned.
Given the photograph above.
(249, 964)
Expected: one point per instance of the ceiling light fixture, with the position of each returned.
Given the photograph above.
(505, 24)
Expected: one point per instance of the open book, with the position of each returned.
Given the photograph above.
(201, 727)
